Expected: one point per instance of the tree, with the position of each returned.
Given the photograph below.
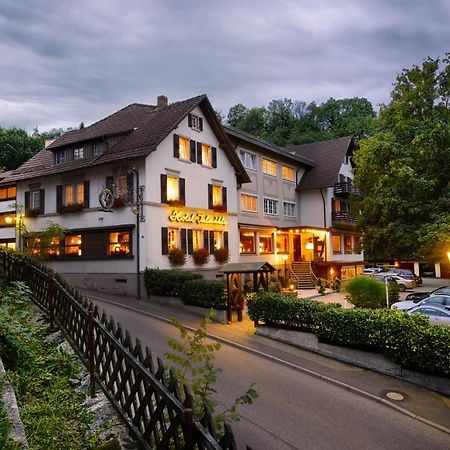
(404, 169)
(16, 147)
(236, 114)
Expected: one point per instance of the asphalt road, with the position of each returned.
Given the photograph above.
(294, 410)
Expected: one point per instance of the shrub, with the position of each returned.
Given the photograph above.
(321, 285)
(222, 255)
(274, 284)
(409, 340)
(200, 256)
(167, 282)
(177, 257)
(394, 292)
(365, 292)
(205, 293)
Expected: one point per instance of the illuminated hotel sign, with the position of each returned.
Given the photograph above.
(196, 218)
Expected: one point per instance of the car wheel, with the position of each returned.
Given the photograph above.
(402, 287)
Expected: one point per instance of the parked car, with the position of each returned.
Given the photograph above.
(434, 300)
(437, 315)
(404, 281)
(372, 270)
(408, 273)
(445, 290)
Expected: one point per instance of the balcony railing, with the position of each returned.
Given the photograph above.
(343, 217)
(346, 188)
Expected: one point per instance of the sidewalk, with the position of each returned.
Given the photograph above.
(420, 401)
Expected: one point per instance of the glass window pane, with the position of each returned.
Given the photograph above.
(173, 188)
(248, 203)
(247, 244)
(206, 155)
(337, 243)
(217, 195)
(72, 245)
(265, 243)
(269, 167)
(184, 148)
(119, 243)
(288, 173)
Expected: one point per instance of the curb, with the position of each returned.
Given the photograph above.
(17, 431)
(341, 384)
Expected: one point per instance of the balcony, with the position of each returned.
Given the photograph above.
(345, 189)
(343, 218)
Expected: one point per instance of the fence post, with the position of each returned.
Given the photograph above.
(51, 303)
(91, 349)
(188, 429)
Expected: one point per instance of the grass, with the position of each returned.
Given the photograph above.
(50, 407)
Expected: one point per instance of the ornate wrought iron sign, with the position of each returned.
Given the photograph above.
(131, 197)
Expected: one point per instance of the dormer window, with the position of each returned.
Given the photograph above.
(60, 156)
(78, 153)
(195, 122)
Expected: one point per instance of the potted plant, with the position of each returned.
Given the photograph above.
(200, 256)
(74, 207)
(221, 255)
(177, 257)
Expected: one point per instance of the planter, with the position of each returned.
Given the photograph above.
(65, 209)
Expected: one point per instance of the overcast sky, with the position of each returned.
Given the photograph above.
(63, 62)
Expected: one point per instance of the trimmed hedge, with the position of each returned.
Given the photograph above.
(408, 340)
(205, 293)
(167, 282)
(365, 292)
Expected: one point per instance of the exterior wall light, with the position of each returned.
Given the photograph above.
(8, 220)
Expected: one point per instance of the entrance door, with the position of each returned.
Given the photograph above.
(297, 248)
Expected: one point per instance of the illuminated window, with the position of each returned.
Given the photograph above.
(337, 248)
(8, 193)
(73, 194)
(78, 153)
(53, 248)
(357, 244)
(269, 167)
(8, 219)
(185, 152)
(119, 243)
(248, 160)
(122, 185)
(270, 207)
(72, 245)
(288, 173)
(172, 238)
(173, 188)
(249, 203)
(347, 244)
(217, 195)
(197, 239)
(289, 209)
(247, 244)
(218, 239)
(265, 243)
(282, 243)
(206, 155)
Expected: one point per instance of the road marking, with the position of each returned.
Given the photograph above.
(321, 377)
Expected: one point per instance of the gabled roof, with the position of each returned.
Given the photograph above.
(248, 267)
(328, 156)
(143, 128)
(240, 135)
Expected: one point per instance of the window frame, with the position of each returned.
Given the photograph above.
(288, 167)
(195, 122)
(337, 252)
(241, 232)
(8, 196)
(78, 153)
(253, 157)
(177, 184)
(294, 207)
(260, 234)
(249, 210)
(209, 154)
(187, 156)
(75, 194)
(274, 202)
(271, 161)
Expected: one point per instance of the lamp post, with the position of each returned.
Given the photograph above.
(285, 258)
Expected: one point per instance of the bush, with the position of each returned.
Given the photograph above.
(365, 292)
(205, 293)
(177, 257)
(409, 340)
(394, 292)
(222, 255)
(321, 285)
(167, 282)
(200, 256)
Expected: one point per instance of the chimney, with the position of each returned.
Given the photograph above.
(162, 101)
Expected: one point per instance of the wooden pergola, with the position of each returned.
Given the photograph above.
(235, 299)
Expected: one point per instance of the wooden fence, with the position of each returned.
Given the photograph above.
(147, 396)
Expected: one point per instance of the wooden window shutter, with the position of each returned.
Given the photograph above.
(176, 146)
(190, 120)
(183, 240)
(210, 196)
(206, 239)
(86, 194)
(199, 153)
(109, 181)
(59, 197)
(27, 202)
(225, 239)
(192, 149)
(190, 243)
(224, 198)
(164, 241)
(130, 182)
(163, 188)
(214, 156)
(42, 201)
(211, 242)
(182, 188)
(200, 124)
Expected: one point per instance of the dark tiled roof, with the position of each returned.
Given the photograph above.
(143, 128)
(240, 135)
(119, 122)
(328, 156)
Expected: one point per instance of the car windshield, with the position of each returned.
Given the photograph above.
(445, 291)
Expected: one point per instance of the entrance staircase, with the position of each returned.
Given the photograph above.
(301, 272)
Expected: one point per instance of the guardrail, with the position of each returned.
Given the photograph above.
(158, 411)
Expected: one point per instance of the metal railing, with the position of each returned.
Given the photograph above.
(158, 411)
(343, 216)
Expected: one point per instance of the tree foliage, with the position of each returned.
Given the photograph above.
(286, 122)
(404, 168)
